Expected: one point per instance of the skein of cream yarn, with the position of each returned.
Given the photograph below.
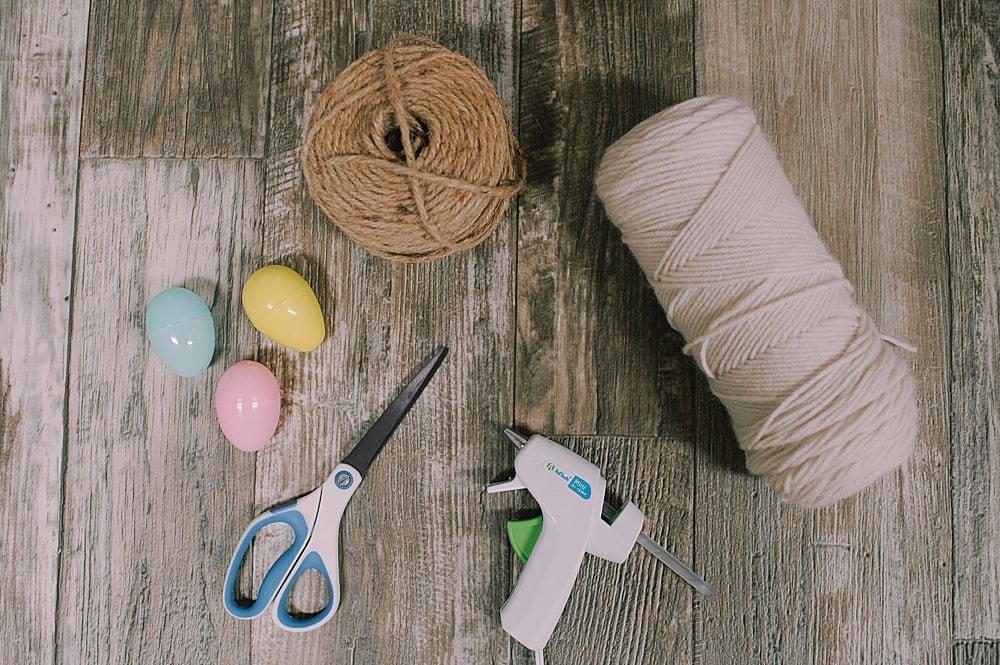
(820, 403)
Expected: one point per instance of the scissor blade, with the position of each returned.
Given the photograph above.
(371, 443)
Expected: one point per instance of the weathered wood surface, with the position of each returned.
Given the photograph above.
(971, 38)
(154, 495)
(977, 653)
(121, 491)
(425, 565)
(904, 259)
(177, 78)
(594, 352)
(843, 91)
(42, 48)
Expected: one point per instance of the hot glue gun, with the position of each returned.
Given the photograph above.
(575, 520)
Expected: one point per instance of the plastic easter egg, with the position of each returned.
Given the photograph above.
(247, 404)
(282, 306)
(181, 331)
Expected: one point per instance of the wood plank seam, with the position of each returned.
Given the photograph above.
(56, 645)
(970, 35)
(42, 47)
(515, 212)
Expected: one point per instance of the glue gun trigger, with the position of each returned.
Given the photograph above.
(506, 486)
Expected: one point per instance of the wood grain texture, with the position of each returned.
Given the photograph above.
(971, 38)
(976, 653)
(425, 563)
(594, 352)
(902, 283)
(639, 612)
(843, 91)
(42, 48)
(177, 78)
(153, 492)
(121, 492)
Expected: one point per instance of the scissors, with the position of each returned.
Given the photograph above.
(315, 521)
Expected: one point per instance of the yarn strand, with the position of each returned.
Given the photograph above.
(403, 122)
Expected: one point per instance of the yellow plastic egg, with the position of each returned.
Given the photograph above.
(282, 306)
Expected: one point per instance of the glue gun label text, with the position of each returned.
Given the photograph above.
(577, 484)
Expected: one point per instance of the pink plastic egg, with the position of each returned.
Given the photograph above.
(247, 403)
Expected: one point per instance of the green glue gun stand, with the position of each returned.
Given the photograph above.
(575, 520)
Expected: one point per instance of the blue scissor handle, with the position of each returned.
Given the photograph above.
(287, 514)
(315, 520)
(311, 561)
(322, 552)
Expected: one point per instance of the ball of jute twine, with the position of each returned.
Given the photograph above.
(819, 402)
(410, 152)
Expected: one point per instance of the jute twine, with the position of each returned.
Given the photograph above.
(410, 152)
(819, 401)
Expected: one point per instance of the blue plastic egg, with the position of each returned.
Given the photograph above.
(181, 331)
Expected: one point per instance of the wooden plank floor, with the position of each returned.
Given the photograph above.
(155, 143)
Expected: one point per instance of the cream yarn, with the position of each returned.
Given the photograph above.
(821, 404)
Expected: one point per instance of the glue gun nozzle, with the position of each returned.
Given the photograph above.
(515, 438)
